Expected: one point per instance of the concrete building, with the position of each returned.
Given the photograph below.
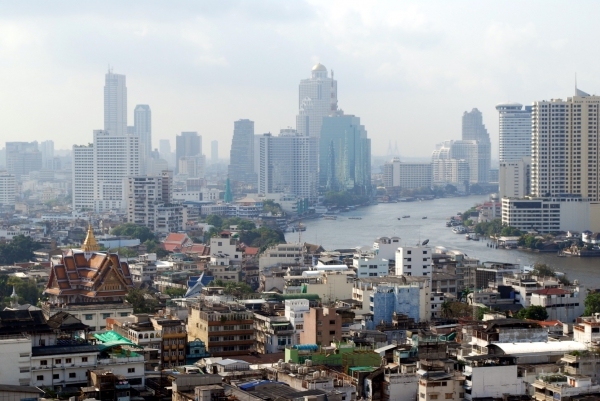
(192, 166)
(344, 155)
(144, 194)
(515, 178)
(142, 120)
(546, 215)
(328, 285)
(493, 377)
(226, 330)
(214, 151)
(115, 104)
(22, 158)
(413, 261)
(560, 303)
(241, 156)
(368, 265)
(187, 144)
(295, 310)
(322, 325)
(473, 129)
(83, 177)
(281, 255)
(8, 189)
(439, 381)
(407, 175)
(46, 148)
(515, 131)
(386, 247)
(288, 163)
(317, 98)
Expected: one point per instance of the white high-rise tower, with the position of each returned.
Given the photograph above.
(115, 104)
(317, 99)
(142, 117)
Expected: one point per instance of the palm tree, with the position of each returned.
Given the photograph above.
(446, 309)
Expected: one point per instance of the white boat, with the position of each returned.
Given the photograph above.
(459, 230)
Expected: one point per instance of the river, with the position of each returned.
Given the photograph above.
(382, 220)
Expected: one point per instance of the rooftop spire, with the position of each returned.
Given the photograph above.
(90, 244)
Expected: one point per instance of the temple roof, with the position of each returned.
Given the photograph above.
(90, 244)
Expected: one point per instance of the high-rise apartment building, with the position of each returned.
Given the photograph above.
(187, 144)
(214, 151)
(515, 178)
(565, 147)
(407, 175)
(514, 131)
(288, 164)
(22, 158)
(113, 158)
(8, 189)
(241, 156)
(317, 98)
(164, 148)
(344, 155)
(192, 166)
(47, 150)
(115, 104)
(145, 195)
(473, 129)
(83, 177)
(455, 163)
(142, 120)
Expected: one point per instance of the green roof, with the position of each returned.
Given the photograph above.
(111, 339)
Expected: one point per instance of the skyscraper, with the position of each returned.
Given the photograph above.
(142, 120)
(344, 155)
(288, 164)
(187, 144)
(514, 149)
(164, 148)
(47, 150)
(565, 147)
(214, 151)
(115, 104)
(317, 99)
(473, 129)
(241, 156)
(22, 158)
(83, 177)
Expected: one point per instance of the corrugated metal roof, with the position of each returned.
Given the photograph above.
(539, 347)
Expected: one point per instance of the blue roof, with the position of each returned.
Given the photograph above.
(306, 347)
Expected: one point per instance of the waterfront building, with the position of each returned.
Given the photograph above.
(455, 164)
(552, 214)
(22, 158)
(385, 247)
(407, 175)
(514, 131)
(115, 104)
(187, 144)
(142, 117)
(241, 160)
(370, 265)
(288, 163)
(344, 155)
(413, 261)
(8, 189)
(515, 178)
(317, 98)
(473, 129)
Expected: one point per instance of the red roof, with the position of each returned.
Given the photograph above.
(175, 241)
(251, 250)
(201, 250)
(549, 323)
(551, 291)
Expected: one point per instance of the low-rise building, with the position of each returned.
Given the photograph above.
(492, 376)
(322, 325)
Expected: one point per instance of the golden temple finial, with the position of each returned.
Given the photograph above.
(90, 244)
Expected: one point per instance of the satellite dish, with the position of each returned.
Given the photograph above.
(425, 242)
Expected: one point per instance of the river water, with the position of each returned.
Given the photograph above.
(382, 220)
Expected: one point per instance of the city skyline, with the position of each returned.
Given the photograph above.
(426, 64)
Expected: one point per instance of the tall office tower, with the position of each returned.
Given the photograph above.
(115, 104)
(460, 150)
(565, 147)
(515, 131)
(83, 177)
(187, 144)
(241, 155)
(8, 189)
(22, 158)
(288, 164)
(142, 120)
(214, 151)
(317, 99)
(47, 150)
(192, 166)
(455, 163)
(344, 155)
(164, 148)
(473, 129)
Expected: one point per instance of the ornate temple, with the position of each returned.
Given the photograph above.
(88, 276)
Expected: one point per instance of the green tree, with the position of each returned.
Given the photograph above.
(142, 301)
(175, 292)
(592, 304)
(543, 270)
(214, 220)
(153, 246)
(142, 233)
(19, 249)
(533, 312)
(446, 309)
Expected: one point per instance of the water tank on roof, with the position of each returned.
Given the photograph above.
(323, 373)
(316, 375)
(308, 362)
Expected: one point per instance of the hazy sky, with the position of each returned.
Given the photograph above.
(408, 69)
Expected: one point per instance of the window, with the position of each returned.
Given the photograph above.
(332, 332)
(123, 314)
(42, 342)
(299, 327)
(433, 397)
(58, 361)
(84, 359)
(72, 375)
(130, 370)
(320, 323)
(105, 315)
(55, 376)
(44, 362)
(332, 322)
(448, 396)
(23, 370)
(68, 360)
(88, 316)
(422, 395)
(319, 333)
(40, 377)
